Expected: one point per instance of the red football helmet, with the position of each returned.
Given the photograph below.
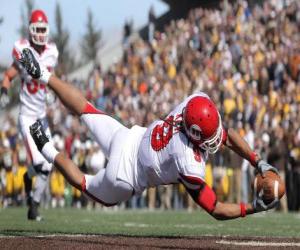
(38, 27)
(202, 123)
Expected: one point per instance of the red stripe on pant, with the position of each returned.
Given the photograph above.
(83, 189)
(90, 109)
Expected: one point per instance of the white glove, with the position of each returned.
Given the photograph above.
(263, 166)
(4, 98)
(33, 66)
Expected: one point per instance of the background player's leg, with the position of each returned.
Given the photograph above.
(40, 168)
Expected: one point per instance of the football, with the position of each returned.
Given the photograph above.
(272, 186)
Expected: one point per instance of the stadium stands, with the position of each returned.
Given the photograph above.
(246, 58)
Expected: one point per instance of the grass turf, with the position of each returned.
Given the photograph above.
(144, 223)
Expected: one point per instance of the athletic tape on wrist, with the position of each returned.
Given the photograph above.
(49, 152)
(253, 159)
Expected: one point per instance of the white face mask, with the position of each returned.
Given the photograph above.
(39, 33)
(213, 144)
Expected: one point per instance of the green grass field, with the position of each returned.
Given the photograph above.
(144, 223)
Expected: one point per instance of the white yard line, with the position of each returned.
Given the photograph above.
(259, 243)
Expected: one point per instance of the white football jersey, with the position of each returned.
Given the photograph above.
(32, 92)
(165, 153)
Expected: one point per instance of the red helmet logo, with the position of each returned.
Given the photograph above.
(202, 123)
(38, 27)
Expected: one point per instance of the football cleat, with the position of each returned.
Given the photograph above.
(30, 63)
(38, 134)
(33, 213)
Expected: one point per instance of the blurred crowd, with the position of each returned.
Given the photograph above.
(246, 58)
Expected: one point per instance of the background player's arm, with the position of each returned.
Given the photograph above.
(9, 75)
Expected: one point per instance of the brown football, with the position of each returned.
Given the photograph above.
(272, 186)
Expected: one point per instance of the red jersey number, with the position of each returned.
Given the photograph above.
(33, 86)
(162, 134)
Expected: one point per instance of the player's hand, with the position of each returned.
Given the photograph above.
(33, 67)
(4, 98)
(263, 166)
(259, 205)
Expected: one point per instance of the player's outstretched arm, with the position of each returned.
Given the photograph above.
(205, 197)
(236, 143)
(71, 97)
(228, 211)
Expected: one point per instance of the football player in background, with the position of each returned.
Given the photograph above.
(173, 150)
(32, 103)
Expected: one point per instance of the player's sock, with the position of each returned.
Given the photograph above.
(28, 188)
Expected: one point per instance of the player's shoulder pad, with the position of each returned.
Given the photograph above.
(19, 45)
(51, 46)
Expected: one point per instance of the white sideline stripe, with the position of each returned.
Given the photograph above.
(259, 243)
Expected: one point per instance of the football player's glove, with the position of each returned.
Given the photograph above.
(263, 166)
(4, 98)
(33, 67)
(259, 205)
(38, 134)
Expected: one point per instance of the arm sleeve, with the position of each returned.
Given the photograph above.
(201, 193)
